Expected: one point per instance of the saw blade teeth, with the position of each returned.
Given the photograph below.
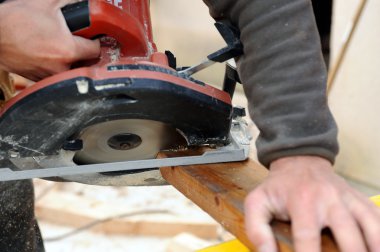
(126, 139)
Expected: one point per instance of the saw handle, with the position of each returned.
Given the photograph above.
(77, 16)
(94, 18)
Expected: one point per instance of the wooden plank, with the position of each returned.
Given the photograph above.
(346, 43)
(62, 208)
(220, 190)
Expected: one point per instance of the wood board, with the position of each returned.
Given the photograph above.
(63, 207)
(220, 190)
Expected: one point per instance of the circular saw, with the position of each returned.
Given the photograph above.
(105, 122)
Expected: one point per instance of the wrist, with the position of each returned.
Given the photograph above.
(300, 162)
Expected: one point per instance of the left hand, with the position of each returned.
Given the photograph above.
(306, 191)
(35, 41)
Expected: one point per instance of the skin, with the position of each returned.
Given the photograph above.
(35, 43)
(306, 191)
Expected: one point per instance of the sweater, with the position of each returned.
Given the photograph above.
(283, 75)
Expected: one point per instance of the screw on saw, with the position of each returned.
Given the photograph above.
(14, 154)
(233, 49)
(73, 145)
(124, 141)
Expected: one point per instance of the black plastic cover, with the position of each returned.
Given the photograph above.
(43, 122)
(77, 16)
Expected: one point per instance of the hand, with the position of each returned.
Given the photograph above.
(305, 191)
(35, 41)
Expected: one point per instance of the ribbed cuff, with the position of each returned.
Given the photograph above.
(267, 159)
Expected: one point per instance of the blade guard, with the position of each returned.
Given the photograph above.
(98, 18)
(137, 85)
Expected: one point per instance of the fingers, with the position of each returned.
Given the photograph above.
(367, 215)
(306, 228)
(34, 75)
(345, 229)
(56, 4)
(257, 222)
(86, 49)
(62, 3)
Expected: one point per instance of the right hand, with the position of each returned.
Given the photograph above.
(306, 191)
(35, 41)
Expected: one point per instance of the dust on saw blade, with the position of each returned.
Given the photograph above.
(126, 139)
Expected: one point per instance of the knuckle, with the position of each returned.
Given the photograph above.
(377, 211)
(375, 227)
(330, 190)
(68, 55)
(62, 55)
(259, 235)
(376, 244)
(254, 197)
(55, 68)
(306, 197)
(311, 193)
(338, 214)
(64, 51)
(306, 234)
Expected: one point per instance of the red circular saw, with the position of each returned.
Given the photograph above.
(131, 104)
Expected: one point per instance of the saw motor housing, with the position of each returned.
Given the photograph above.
(131, 83)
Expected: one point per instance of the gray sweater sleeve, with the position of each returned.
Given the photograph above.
(284, 76)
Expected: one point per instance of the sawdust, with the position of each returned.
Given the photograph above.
(17, 144)
(109, 86)
(113, 46)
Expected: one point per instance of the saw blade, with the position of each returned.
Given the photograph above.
(126, 139)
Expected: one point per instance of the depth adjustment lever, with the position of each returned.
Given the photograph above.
(233, 49)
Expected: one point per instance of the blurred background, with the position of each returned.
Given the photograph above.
(354, 96)
(185, 28)
(77, 217)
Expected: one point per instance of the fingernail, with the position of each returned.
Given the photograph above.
(266, 248)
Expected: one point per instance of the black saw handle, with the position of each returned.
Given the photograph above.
(77, 15)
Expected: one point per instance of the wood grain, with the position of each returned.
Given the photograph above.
(220, 190)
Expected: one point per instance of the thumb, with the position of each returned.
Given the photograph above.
(62, 3)
(86, 49)
(257, 221)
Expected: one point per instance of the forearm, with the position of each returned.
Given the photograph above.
(284, 76)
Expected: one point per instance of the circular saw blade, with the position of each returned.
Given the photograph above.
(127, 139)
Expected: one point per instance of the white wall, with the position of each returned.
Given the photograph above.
(185, 28)
(355, 97)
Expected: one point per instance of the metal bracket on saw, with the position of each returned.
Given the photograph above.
(237, 150)
(233, 49)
